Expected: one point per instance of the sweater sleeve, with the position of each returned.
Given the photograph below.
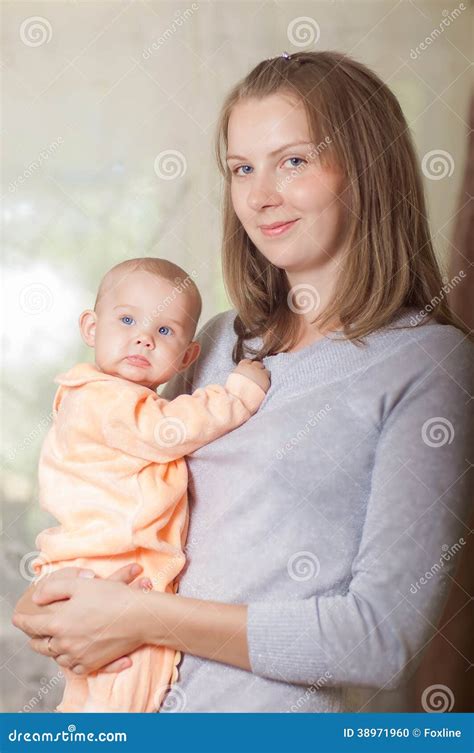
(416, 524)
(162, 431)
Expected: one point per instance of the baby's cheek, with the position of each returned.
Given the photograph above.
(169, 358)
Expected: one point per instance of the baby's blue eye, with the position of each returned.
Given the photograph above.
(167, 328)
(127, 320)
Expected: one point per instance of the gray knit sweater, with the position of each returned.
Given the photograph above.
(336, 513)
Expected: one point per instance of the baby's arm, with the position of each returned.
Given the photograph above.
(162, 431)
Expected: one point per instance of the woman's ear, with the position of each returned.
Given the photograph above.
(87, 324)
(191, 354)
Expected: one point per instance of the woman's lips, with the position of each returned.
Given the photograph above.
(278, 228)
(138, 361)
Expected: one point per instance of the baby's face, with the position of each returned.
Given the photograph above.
(143, 329)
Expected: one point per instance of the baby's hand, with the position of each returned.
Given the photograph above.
(256, 371)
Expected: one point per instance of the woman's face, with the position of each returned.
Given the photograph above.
(288, 203)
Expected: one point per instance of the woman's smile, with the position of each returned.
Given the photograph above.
(278, 228)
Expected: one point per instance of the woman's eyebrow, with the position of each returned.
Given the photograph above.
(276, 151)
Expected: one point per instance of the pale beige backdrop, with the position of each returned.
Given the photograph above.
(108, 120)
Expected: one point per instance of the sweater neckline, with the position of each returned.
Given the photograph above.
(302, 352)
(333, 357)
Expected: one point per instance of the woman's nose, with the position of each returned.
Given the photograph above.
(264, 193)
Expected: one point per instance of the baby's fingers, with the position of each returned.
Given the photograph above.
(144, 584)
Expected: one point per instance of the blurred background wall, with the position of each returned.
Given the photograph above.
(108, 122)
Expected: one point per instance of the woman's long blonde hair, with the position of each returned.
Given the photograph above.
(390, 262)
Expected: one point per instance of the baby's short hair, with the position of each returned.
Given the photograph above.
(163, 268)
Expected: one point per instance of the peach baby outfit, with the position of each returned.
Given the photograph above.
(112, 472)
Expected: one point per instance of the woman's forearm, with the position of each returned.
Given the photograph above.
(209, 629)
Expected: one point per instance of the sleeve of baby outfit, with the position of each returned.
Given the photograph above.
(161, 431)
(416, 523)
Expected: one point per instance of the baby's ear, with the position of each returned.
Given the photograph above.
(191, 354)
(87, 324)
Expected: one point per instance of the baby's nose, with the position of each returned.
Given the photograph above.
(145, 340)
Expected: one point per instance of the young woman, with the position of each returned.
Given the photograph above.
(319, 529)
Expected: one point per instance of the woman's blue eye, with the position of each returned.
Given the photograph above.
(167, 328)
(243, 167)
(299, 160)
(127, 320)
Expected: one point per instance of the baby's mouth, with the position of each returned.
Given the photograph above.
(138, 361)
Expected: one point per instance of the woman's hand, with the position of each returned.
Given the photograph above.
(83, 616)
(95, 623)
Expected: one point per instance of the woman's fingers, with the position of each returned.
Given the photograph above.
(32, 625)
(79, 669)
(63, 661)
(118, 665)
(40, 645)
(68, 572)
(50, 590)
(127, 573)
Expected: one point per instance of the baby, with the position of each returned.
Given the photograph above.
(112, 468)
